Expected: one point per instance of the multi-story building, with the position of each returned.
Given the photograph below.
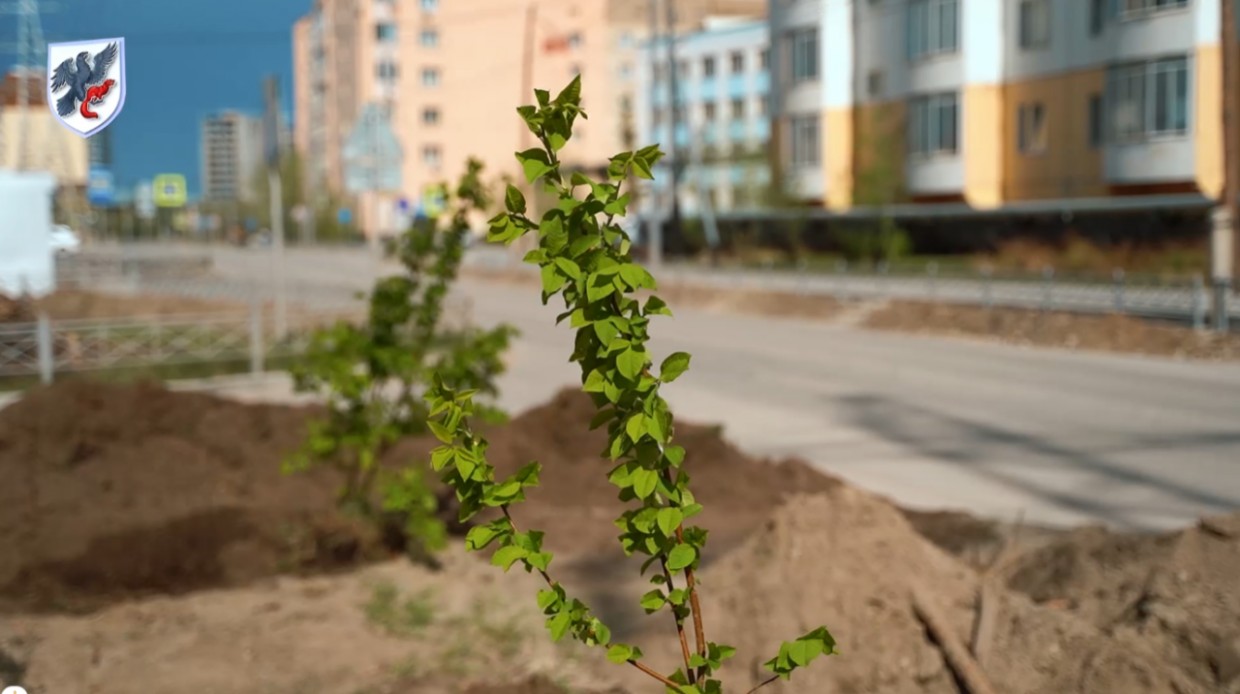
(450, 74)
(232, 152)
(719, 130)
(32, 140)
(998, 103)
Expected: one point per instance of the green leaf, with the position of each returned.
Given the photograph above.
(672, 367)
(539, 560)
(568, 267)
(644, 482)
(547, 598)
(514, 200)
(696, 660)
(670, 519)
(636, 276)
(595, 382)
(653, 601)
(636, 426)
(631, 362)
(479, 537)
(440, 431)
(675, 455)
(552, 281)
(606, 331)
(534, 163)
(602, 635)
(802, 652)
(620, 653)
(505, 556)
(599, 287)
(682, 555)
(602, 417)
(559, 625)
(543, 96)
(570, 95)
(656, 306)
(580, 179)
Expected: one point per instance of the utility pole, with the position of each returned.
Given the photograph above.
(31, 51)
(673, 93)
(271, 136)
(654, 240)
(1225, 237)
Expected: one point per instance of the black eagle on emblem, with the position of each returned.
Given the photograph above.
(80, 77)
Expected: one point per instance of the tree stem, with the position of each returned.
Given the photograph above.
(765, 682)
(680, 627)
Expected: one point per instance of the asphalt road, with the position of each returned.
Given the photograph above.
(1050, 436)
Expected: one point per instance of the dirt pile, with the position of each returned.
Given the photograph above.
(16, 310)
(121, 490)
(1112, 333)
(1179, 592)
(850, 561)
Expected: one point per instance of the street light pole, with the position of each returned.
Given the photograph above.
(272, 145)
(1225, 237)
(674, 154)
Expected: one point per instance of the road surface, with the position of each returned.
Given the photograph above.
(1050, 436)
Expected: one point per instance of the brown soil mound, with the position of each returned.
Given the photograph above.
(1112, 333)
(73, 304)
(16, 310)
(849, 561)
(121, 490)
(125, 490)
(1177, 591)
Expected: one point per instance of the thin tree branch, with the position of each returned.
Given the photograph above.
(680, 627)
(552, 584)
(765, 682)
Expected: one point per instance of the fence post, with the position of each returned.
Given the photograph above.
(988, 297)
(1198, 303)
(841, 272)
(932, 270)
(802, 269)
(256, 338)
(1117, 275)
(1048, 284)
(46, 351)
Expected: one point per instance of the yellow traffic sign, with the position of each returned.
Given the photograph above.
(169, 190)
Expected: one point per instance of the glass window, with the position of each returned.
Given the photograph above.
(708, 66)
(430, 115)
(804, 141)
(738, 109)
(1149, 99)
(933, 124)
(738, 62)
(430, 5)
(803, 44)
(1097, 16)
(1142, 7)
(386, 70)
(431, 156)
(385, 31)
(1031, 128)
(1095, 121)
(933, 27)
(1035, 24)
(429, 38)
(709, 112)
(430, 77)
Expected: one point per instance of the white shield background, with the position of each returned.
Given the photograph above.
(112, 103)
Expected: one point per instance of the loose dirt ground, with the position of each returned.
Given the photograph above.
(157, 543)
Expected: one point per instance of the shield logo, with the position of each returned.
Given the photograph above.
(86, 83)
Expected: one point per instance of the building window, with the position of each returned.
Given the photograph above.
(430, 5)
(429, 38)
(804, 46)
(738, 109)
(574, 40)
(738, 62)
(1035, 24)
(682, 68)
(430, 116)
(1031, 128)
(431, 156)
(933, 27)
(708, 66)
(1146, 7)
(385, 32)
(804, 141)
(1149, 99)
(386, 70)
(874, 83)
(764, 59)
(430, 77)
(933, 124)
(1095, 121)
(709, 112)
(1097, 16)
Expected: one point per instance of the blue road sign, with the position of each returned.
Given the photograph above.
(99, 189)
(344, 215)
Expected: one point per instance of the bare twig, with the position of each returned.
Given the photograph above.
(680, 628)
(763, 683)
(957, 656)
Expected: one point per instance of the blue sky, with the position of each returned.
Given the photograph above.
(182, 64)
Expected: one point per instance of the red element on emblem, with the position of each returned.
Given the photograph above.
(95, 95)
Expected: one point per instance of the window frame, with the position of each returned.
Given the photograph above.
(804, 61)
(1027, 40)
(1139, 81)
(799, 127)
(434, 120)
(428, 32)
(924, 35)
(438, 78)
(1140, 9)
(1032, 136)
(930, 108)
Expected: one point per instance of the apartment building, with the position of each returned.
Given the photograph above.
(995, 103)
(450, 74)
(232, 146)
(32, 140)
(720, 128)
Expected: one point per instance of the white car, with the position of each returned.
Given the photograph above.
(65, 240)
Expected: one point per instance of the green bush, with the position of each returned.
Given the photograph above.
(374, 375)
(584, 257)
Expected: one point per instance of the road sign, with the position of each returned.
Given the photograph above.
(169, 190)
(144, 200)
(99, 189)
(344, 215)
(372, 154)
